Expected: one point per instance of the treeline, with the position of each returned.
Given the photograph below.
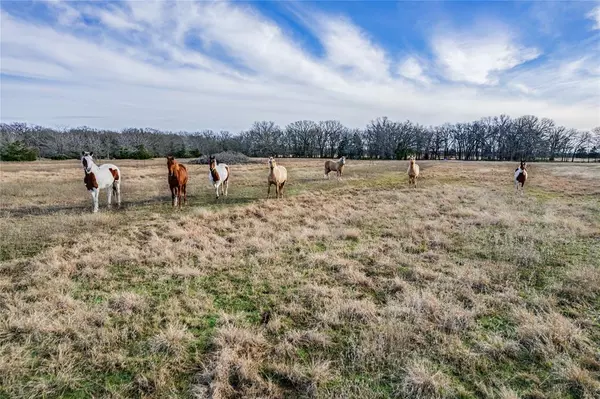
(491, 138)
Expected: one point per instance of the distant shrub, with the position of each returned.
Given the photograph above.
(18, 151)
(195, 153)
(228, 157)
(62, 157)
(140, 153)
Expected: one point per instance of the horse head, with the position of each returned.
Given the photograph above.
(212, 162)
(343, 160)
(171, 165)
(87, 161)
(271, 163)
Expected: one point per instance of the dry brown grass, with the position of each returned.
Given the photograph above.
(456, 289)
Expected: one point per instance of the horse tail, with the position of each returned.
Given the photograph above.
(116, 179)
(227, 169)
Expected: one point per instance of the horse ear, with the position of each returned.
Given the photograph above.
(92, 154)
(82, 153)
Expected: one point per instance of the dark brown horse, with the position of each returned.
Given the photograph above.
(178, 178)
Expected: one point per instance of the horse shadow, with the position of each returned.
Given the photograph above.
(76, 208)
(163, 200)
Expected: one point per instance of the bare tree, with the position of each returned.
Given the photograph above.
(331, 132)
(302, 136)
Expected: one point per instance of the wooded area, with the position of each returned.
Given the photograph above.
(491, 138)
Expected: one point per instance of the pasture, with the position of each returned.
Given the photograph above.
(360, 288)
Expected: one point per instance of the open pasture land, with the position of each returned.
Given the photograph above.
(360, 288)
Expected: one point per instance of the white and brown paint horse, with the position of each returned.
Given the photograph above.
(521, 176)
(335, 166)
(106, 176)
(218, 176)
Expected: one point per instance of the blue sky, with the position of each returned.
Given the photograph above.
(185, 65)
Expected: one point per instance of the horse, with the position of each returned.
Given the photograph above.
(218, 176)
(278, 177)
(413, 172)
(337, 166)
(178, 178)
(520, 176)
(99, 177)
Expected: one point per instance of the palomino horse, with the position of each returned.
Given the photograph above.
(413, 172)
(335, 166)
(218, 175)
(178, 178)
(277, 176)
(99, 177)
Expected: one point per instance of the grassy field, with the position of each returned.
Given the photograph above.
(457, 289)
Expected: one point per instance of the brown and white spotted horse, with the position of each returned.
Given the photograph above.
(99, 177)
(521, 176)
(218, 175)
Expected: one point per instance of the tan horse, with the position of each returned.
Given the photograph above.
(178, 178)
(337, 166)
(413, 172)
(278, 177)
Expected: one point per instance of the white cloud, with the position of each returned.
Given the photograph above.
(477, 60)
(164, 84)
(148, 11)
(258, 43)
(574, 80)
(112, 18)
(522, 87)
(411, 68)
(594, 15)
(347, 46)
(66, 15)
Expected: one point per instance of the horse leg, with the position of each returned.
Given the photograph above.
(281, 189)
(109, 193)
(269, 191)
(226, 184)
(217, 189)
(94, 200)
(117, 191)
(173, 196)
(185, 194)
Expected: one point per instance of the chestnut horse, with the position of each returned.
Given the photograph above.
(178, 178)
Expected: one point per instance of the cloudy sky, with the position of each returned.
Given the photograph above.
(222, 65)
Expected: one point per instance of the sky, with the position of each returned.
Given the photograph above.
(185, 65)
